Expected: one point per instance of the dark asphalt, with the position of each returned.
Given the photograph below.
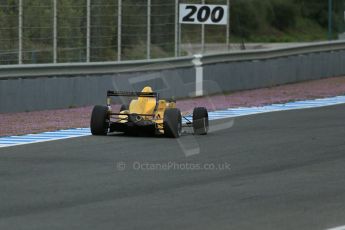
(287, 172)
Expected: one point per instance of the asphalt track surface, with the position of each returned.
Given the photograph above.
(287, 172)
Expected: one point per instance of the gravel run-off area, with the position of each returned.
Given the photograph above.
(50, 120)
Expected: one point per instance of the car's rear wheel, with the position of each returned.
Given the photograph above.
(200, 121)
(99, 120)
(172, 123)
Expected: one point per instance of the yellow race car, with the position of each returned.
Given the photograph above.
(146, 114)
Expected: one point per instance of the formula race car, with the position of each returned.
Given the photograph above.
(146, 114)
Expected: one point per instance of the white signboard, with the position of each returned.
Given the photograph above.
(203, 14)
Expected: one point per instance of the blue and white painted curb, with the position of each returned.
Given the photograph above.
(42, 137)
(245, 111)
(219, 114)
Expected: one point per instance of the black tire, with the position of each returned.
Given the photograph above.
(200, 121)
(99, 120)
(124, 107)
(172, 123)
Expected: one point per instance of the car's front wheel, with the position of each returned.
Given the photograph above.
(200, 121)
(172, 123)
(99, 120)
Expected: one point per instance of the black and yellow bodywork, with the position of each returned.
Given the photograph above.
(145, 114)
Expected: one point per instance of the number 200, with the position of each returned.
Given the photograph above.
(203, 14)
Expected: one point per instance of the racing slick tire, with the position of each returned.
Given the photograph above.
(200, 121)
(172, 123)
(99, 120)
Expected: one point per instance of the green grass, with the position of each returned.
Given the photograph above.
(305, 30)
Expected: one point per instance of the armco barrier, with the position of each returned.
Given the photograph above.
(48, 86)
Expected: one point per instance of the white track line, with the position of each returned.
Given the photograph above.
(221, 114)
(337, 228)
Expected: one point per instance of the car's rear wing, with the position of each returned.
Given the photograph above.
(111, 93)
